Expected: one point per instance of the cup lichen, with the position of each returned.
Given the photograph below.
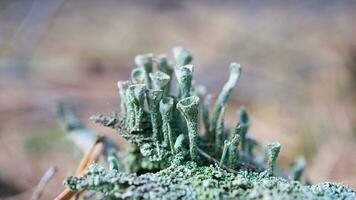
(189, 107)
(166, 107)
(168, 158)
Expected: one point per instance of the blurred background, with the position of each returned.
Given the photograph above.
(298, 81)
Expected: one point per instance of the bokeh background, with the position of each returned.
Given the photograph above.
(298, 82)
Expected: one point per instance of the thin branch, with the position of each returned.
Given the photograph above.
(90, 156)
(47, 176)
(213, 160)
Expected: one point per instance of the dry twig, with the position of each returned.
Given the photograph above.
(47, 176)
(90, 156)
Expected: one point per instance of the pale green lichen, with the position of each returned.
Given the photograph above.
(234, 151)
(190, 181)
(189, 107)
(235, 71)
(182, 56)
(135, 106)
(159, 79)
(224, 152)
(164, 66)
(220, 131)
(244, 125)
(145, 62)
(168, 158)
(184, 76)
(114, 163)
(206, 119)
(298, 168)
(272, 150)
(166, 110)
(154, 97)
(138, 76)
(179, 148)
(123, 86)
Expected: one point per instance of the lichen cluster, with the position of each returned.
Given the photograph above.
(170, 157)
(189, 181)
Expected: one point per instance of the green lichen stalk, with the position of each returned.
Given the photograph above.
(220, 129)
(165, 67)
(145, 62)
(182, 56)
(154, 98)
(168, 158)
(234, 151)
(244, 125)
(184, 76)
(135, 99)
(235, 71)
(166, 107)
(298, 168)
(138, 76)
(160, 80)
(189, 107)
(206, 119)
(123, 86)
(272, 154)
(227, 145)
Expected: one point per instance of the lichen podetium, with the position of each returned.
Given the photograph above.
(168, 157)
